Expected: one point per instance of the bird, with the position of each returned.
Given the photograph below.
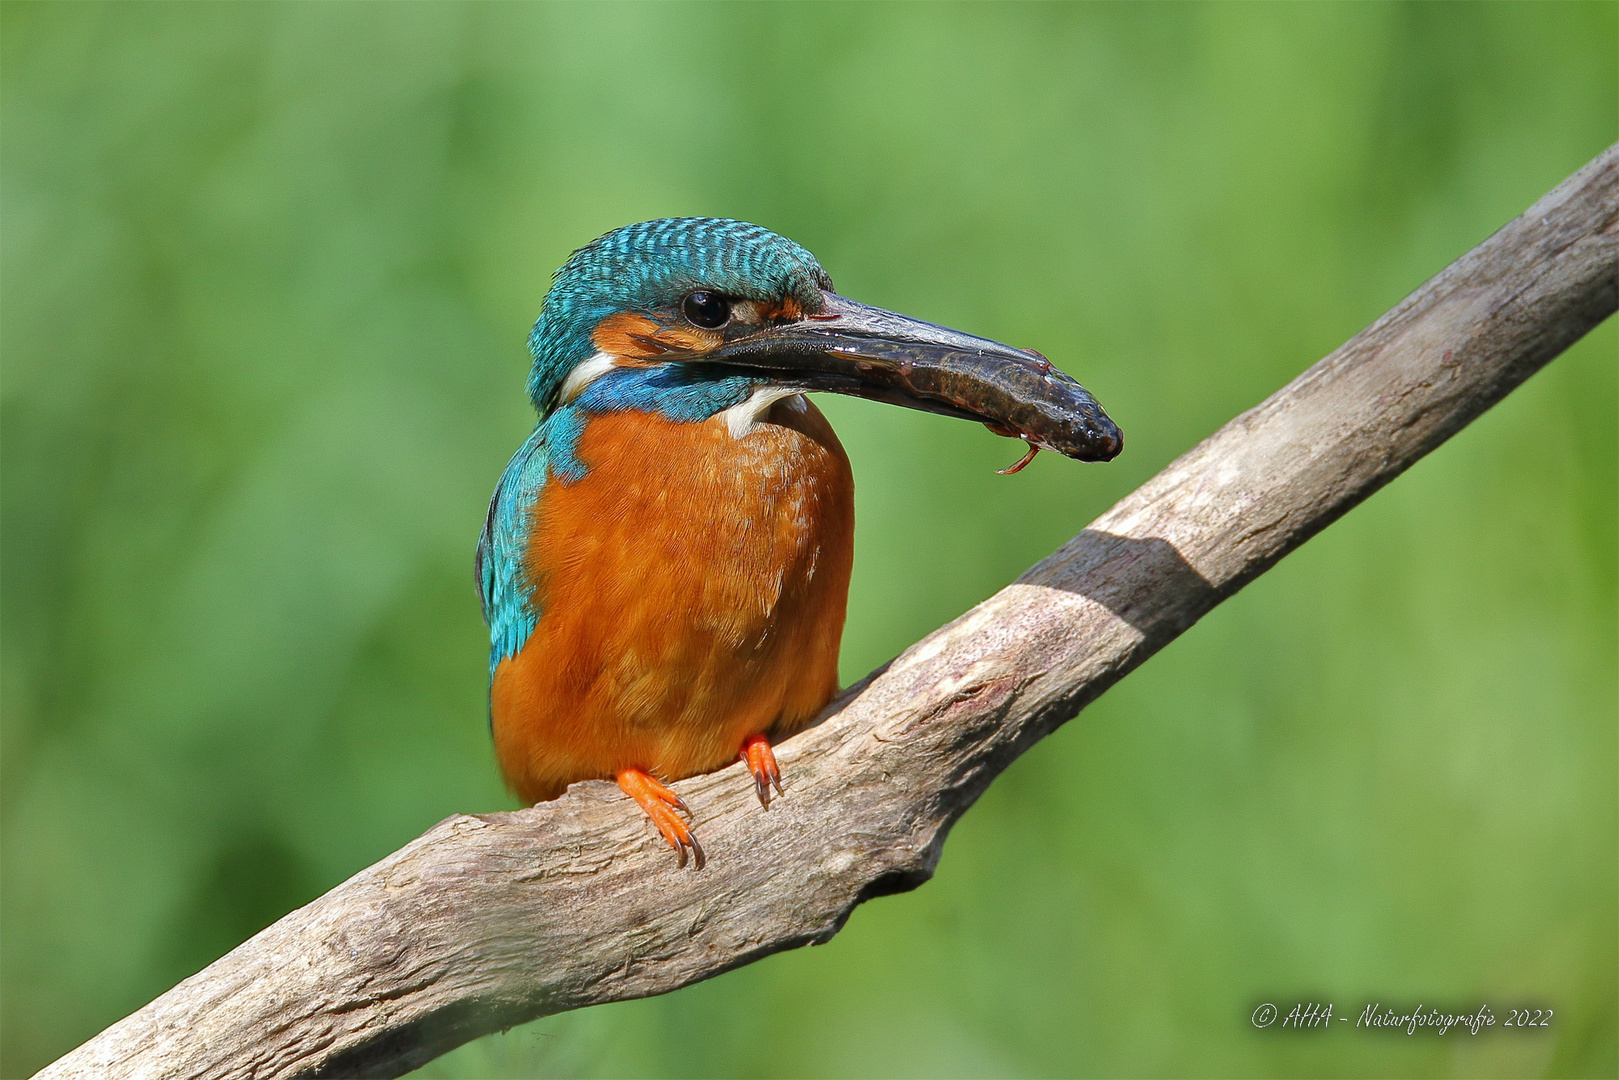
(664, 566)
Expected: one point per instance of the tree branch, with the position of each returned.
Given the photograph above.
(490, 920)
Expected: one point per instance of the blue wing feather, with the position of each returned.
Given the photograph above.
(506, 596)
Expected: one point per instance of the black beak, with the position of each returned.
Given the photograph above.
(851, 348)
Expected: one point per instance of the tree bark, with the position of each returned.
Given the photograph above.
(490, 920)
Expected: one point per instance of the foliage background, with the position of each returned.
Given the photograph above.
(267, 272)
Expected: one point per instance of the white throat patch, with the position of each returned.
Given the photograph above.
(743, 418)
(584, 373)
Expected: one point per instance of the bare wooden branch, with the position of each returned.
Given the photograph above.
(490, 920)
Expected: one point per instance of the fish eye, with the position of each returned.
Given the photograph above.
(706, 309)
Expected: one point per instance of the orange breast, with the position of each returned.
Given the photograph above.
(692, 589)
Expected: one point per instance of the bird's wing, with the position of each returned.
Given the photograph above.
(509, 606)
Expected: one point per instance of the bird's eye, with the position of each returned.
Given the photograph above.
(706, 309)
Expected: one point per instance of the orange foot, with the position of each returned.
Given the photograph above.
(660, 805)
(762, 764)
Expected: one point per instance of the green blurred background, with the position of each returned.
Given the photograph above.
(267, 272)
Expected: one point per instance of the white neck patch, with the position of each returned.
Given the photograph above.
(584, 373)
(741, 419)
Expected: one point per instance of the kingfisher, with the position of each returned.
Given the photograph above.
(664, 567)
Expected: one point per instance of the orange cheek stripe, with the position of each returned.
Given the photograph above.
(623, 335)
(636, 337)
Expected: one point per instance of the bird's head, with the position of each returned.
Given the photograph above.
(711, 302)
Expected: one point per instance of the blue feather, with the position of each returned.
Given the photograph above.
(510, 606)
(682, 393)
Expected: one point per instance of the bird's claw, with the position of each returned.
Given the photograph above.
(660, 804)
(761, 762)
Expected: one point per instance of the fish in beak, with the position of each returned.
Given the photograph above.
(853, 348)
